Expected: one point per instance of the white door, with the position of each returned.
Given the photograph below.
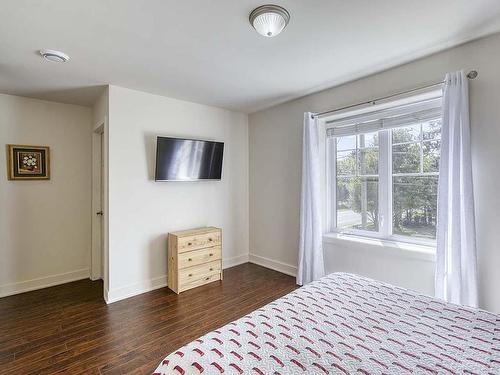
(97, 263)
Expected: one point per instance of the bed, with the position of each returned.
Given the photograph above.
(346, 324)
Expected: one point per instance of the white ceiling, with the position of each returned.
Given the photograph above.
(206, 51)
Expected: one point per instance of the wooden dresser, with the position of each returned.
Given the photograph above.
(194, 258)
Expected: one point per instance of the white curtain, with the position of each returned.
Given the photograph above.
(456, 263)
(311, 266)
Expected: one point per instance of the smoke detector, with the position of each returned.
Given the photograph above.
(54, 56)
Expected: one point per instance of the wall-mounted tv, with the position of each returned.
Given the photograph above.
(180, 159)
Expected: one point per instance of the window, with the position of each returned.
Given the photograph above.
(383, 171)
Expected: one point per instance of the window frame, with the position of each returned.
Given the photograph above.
(385, 176)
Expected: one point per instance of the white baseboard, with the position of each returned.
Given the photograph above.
(128, 291)
(287, 269)
(131, 290)
(43, 282)
(234, 261)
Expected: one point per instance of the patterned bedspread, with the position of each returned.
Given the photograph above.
(346, 324)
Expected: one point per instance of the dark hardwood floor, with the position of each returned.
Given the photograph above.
(69, 328)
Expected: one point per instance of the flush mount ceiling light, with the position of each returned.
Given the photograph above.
(55, 56)
(269, 20)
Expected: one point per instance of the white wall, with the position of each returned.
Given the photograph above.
(45, 225)
(142, 211)
(275, 137)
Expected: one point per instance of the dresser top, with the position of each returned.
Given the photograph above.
(192, 232)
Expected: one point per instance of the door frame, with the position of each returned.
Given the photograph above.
(99, 248)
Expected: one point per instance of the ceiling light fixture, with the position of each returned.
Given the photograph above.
(55, 56)
(269, 20)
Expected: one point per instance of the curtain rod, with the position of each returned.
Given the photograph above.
(471, 75)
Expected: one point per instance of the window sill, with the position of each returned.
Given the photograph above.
(396, 248)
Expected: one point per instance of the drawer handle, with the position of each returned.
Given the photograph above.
(207, 278)
(211, 269)
(189, 259)
(189, 243)
(190, 275)
(210, 239)
(211, 254)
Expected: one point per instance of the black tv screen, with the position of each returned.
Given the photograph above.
(179, 159)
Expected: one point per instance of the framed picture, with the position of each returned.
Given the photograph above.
(28, 162)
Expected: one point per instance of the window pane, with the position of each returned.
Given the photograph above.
(406, 158)
(431, 129)
(406, 134)
(431, 150)
(357, 203)
(414, 206)
(346, 143)
(346, 162)
(357, 182)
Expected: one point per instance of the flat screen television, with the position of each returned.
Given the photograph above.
(180, 159)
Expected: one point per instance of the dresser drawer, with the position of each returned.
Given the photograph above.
(188, 275)
(196, 257)
(198, 241)
(199, 282)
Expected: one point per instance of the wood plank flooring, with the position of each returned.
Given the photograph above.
(69, 329)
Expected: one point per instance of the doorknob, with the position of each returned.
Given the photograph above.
(100, 213)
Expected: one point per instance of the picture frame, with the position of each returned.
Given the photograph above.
(28, 162)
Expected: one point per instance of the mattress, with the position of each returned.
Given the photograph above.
(346, 324)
